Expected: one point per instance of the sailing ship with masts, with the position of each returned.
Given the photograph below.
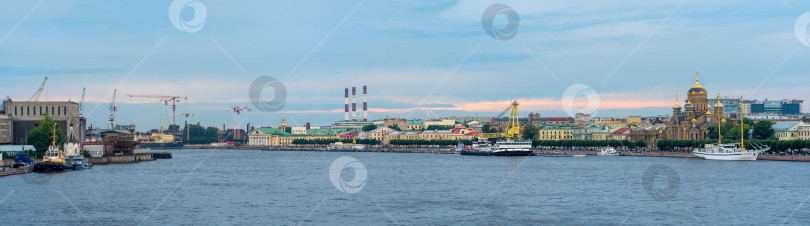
(734, 151)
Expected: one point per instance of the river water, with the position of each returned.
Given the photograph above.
(214, 187)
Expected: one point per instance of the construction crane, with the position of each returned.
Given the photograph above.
(512, 128)
(166, 99)
(186, 126)
(237, 110)
(36, 95)
(113, 109)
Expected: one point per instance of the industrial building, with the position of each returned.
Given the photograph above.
(17, 118)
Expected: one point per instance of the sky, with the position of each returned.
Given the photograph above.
(609, 58)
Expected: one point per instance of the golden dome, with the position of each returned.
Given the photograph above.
(708, 113)
(697, 88)
(724, 120)
(697, 81)
(694, 120)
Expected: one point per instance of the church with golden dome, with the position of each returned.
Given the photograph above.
(693, 122)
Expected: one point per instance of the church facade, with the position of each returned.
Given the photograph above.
(692, 122)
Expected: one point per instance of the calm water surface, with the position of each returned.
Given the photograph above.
(212, 187)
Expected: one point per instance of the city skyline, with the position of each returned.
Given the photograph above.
(636, 56)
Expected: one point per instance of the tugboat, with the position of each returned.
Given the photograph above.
(54, 159)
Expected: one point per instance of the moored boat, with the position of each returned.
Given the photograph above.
(734, 151)
(54, 159)
(608, 152)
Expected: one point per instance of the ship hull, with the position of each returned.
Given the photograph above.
(738, 156)
(161, 145)
(478, 153)
(513, 153)
(50, 167)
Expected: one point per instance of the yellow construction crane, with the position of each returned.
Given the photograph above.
(36, 95)
(512, 128)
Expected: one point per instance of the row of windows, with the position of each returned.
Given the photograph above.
(29, 110)
(555, 132)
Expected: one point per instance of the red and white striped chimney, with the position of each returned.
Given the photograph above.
(346, 114)
(365, 105)
(354, 103)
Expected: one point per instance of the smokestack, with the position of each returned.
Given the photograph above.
(365, 105)
(354, 104)
(307, 125)
(346, 114)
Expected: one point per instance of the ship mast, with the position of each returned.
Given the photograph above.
(742, 127)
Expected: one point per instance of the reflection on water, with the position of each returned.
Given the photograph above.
(254, 187)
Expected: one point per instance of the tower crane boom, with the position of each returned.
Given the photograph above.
(37, 94)
(166, 99)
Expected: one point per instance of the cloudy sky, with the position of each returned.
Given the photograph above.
(633, 56)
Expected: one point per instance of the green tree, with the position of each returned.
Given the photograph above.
(394, 127)
(640, 143)
(369, 127)
(486, 128)
(42, 136)
(530, 132)
(763, 130)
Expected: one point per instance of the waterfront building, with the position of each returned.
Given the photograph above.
(804, 132)
(5, 129)
(274, 137)
(786, 130)
(402, 135)
(435, 134)
(17, 118)
(555, 132)
(379, 133)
